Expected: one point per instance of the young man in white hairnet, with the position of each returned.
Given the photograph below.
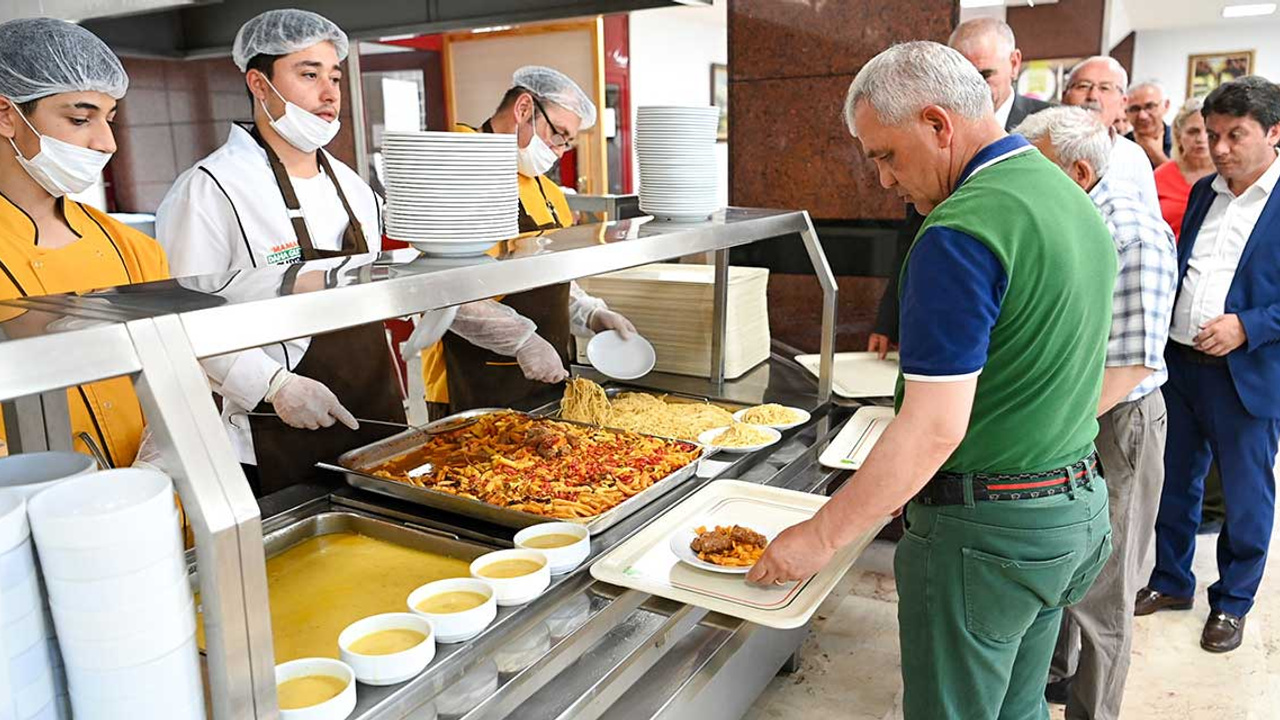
(502, 351)
(271, 196)
(59, 86)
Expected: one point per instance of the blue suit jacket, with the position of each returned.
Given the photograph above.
(1254, 297)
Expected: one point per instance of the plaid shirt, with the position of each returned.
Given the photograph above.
(1142, 304)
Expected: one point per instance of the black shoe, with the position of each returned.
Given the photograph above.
(1222, 632)
(1057, 692)
(1149, 601)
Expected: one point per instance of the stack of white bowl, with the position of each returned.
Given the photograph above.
(451, 194)
(675, 147)
(111, 551)
(30, 681)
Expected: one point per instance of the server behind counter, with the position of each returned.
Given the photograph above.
(59, 86)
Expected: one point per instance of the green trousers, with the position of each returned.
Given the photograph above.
(981, 589)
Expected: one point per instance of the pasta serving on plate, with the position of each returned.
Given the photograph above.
(585, 401)
(541, 466)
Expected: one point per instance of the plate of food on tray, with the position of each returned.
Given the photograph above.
(729, 549)
(740, 438)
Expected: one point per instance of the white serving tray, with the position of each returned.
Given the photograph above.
(851, 446)
(645, 561)
(858, 374)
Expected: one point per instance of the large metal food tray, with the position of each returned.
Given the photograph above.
(365, 458)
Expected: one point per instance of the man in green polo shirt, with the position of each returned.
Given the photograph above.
(1005, 313)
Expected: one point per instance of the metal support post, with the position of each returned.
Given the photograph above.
(830, 292)
(719, 317)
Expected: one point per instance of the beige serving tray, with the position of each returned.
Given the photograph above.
(645, 561)
(858, 374)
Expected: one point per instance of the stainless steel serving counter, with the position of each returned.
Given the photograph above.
(156, 334)
(586, 649)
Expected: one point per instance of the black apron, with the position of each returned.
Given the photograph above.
(479, 378)
(353, 363)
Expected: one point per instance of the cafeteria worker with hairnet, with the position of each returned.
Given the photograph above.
(504, 350)
(59, 87)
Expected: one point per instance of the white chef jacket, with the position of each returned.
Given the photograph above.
(1216, 255)
(227, 213)
(1128, 163)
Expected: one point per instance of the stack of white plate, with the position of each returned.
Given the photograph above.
(675, 147)
(30, 681)
(451, 194)
(110, 548)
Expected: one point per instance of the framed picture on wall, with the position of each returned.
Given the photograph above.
(1208, 71)
(720, 98)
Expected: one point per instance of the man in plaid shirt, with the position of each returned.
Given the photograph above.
(1097, 633)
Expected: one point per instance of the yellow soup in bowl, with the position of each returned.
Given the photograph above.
(548, 542)
(387, 642)
(308, 690)
(452, 602)
(510, 569)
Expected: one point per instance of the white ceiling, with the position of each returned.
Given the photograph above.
(1165, 14)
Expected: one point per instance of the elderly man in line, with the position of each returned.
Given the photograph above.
(1098, 84)
(989, 44)
(1098, 632)
(1224, 365)
(1147, 106)
(1006, 512)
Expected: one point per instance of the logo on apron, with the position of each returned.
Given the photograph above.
(286, 254)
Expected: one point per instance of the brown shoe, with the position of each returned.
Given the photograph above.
(1149, 601)
(1222, 632)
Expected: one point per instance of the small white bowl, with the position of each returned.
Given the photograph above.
(707, 438)
(121, 592)
(170, 633)
(21, 598)
(29, 473)
(335, 708)
(392, 668)
(803, 416)
(13, 520)
(176, 675)
(459, 626)
(17, 564)
(516, 590)
(147, 548)
(111, 507)
(29, 700)
(560, 560)
(30, 666)
(621, 359)
(20, 634)
(170, 608)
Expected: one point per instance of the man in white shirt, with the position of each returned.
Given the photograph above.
(272, 196)
(1223, 391)
(1098, 84)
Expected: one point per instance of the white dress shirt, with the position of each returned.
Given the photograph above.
(1002, 112)
(1128, 163)
(1216, 255)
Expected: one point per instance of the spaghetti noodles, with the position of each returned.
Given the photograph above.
(585, 401)
(770, 414)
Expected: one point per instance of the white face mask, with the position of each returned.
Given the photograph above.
(304, 130)
(538, 157)
(60, 167)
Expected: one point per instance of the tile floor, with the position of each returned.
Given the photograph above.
(850, 664)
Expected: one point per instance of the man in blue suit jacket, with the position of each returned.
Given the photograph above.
(1223, 391)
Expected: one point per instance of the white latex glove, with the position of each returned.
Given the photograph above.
(540, 362)
(430, 328)
(606, 319)
(148, 457)
(306, 404)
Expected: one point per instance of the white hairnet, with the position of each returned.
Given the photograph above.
(555, 86)
(281, 32)
(43, 56)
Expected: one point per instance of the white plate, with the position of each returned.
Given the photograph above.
(706, 437)
(437, 248)
(621, 359)
(851, 446)
(804, 418)
(681, 539)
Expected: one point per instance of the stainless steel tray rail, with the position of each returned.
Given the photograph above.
(157, 333)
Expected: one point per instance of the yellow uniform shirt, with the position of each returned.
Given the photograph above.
(538, 196)
(107, 254)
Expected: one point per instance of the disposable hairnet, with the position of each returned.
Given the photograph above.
(553, 85)
(281, 32)
(43, 56)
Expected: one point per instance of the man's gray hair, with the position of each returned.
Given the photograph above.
(908, 77)
(1075, 134)
(970, 30)
(1112, 64)
(1149, 83)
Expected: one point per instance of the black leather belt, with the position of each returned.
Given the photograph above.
(1192, 355)
(949, 488)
